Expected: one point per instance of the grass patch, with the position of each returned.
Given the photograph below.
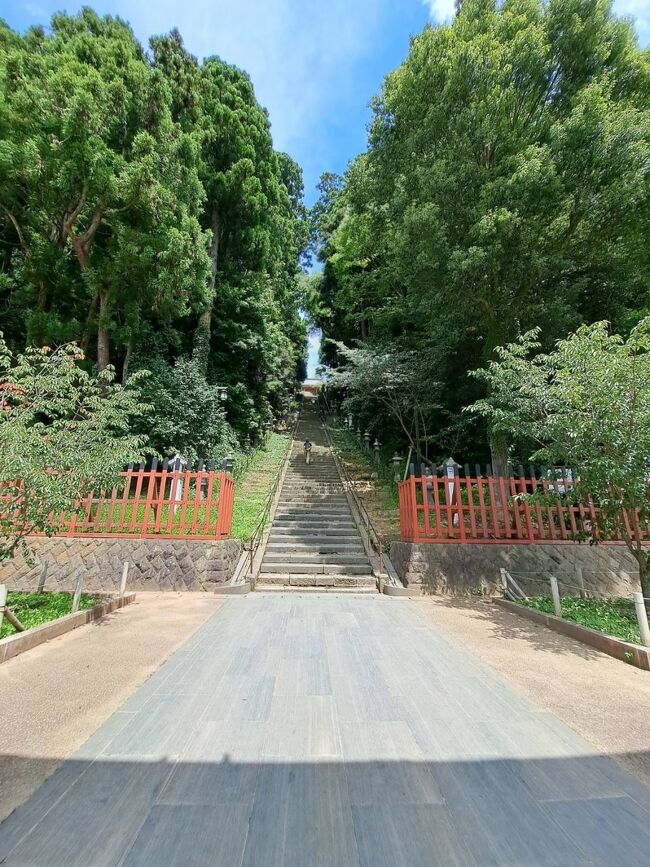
(254, 484)
(373, 485)
(34, 609)
(613, 617)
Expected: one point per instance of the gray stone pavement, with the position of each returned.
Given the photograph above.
(330, 729)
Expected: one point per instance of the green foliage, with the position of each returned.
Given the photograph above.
(145, 215)
(34, 609)
(397, 382)
(63, 433)
(587, 406)
(253, 485)
(185, 414)
(99, 187)
(612, 616)
(375, 485)
(505, 187)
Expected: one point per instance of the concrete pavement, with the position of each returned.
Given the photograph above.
(330, 729)
(56, 695)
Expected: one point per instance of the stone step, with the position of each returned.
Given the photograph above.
(314, 547)
(301, 492)
(313, 497)
(314, 512)
(320, 534)
(312, 487)
(313, 558)
(314, 524)
(309, 508)
(316, 589)
(365, 583)
(310, 505)
(312, 472)
(332, 535)
(298, 568)
(312, 480)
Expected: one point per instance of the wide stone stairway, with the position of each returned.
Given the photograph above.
(314, 540)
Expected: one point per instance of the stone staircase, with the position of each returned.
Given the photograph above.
(314, 541)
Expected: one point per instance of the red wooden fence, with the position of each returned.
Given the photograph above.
(157, 504)
(489, 509)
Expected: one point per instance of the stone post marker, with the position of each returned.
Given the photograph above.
(642, 618)
(177, 463)
(555, 593)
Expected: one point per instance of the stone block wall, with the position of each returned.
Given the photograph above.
(155, 564)
(467, 569)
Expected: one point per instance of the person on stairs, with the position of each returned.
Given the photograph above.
(307, 451)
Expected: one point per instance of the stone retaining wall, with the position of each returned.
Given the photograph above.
(155, 564)
(464, 569)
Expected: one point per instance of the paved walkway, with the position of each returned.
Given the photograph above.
(54, 697)
(330, 730)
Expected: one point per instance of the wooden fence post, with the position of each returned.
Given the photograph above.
(555, 593)
(76, 597)
(642, 618)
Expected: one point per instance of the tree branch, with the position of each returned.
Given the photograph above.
(21, 238)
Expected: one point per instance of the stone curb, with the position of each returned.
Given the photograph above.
(233, 589)
(634, 654)
(13, 645)
(393, 590)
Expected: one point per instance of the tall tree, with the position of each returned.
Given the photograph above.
(145, 214)
(505, 186)
(90, 162)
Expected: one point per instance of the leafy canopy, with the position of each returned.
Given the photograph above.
(505, 187)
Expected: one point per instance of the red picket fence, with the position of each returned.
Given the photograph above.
(157, 504)
(488, 508)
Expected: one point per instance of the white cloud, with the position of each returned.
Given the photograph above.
(440, 10)
(639, 10)
(300, 55)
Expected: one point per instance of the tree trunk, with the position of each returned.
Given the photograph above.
(203, 331)
(103, 342)
(43, 300)
(499, 453)
(85, 337)
(127, 361)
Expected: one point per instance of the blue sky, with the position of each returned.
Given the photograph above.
(315, 65)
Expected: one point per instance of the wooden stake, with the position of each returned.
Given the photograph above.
(15, 622)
